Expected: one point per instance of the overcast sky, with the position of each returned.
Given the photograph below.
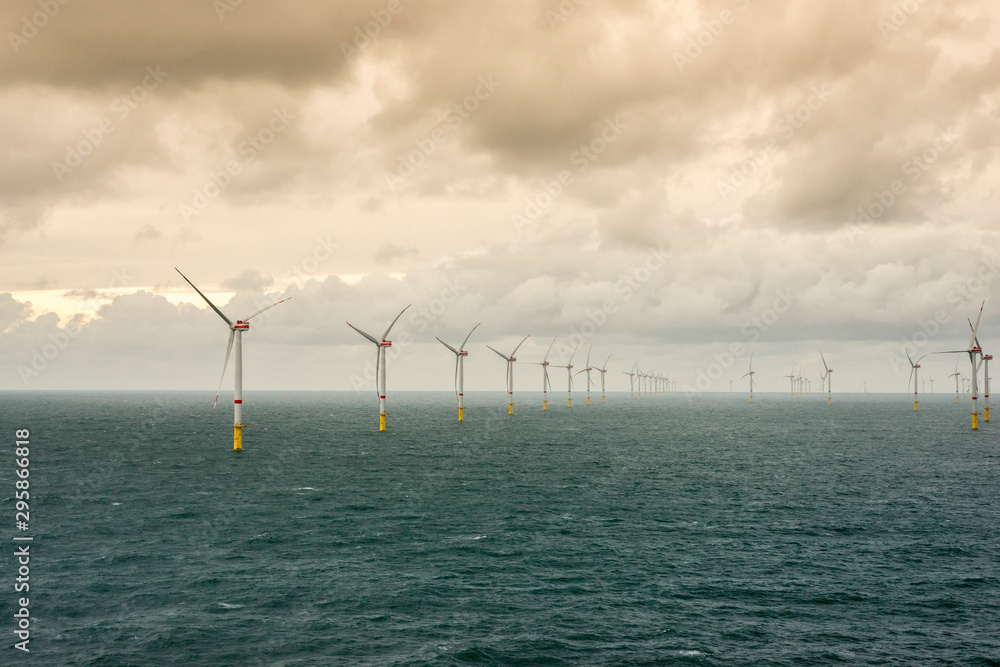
(674, 183)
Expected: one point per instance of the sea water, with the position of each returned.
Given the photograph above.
(701, 530)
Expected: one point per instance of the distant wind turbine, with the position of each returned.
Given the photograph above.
(829, 380)
(604, 370)
(587, 370)
(569, 373)
(975, 352)
(460, 355)
(956, 375)
(791, 381)
(914, 372)
(236, 330)
(631, 381)
(383, 344)
(546, 384)
(750, 373)
(510, 372)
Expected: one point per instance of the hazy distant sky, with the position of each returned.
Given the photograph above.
(671, 180)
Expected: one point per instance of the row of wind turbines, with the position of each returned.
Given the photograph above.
(647, 383)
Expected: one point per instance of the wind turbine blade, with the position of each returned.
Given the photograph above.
(825, 367)
(447, 346)
(975, 329)
(605, 366)
(570, 362)
(467, 337)
(911, 360)
(378, 363)
(751, 364)
(229, 348)
(502, 355)
(589, 350)
(366, 335)
(912, 370)
(546, 357)
(520, 344)
(220, 313)
(266, 308)
(394, 322)
(456, 374)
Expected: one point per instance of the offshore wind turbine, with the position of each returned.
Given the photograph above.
(382, 344)
(604, 370)
(829, 380)
(956, 375)
(460, 355)
(236, 330)
(510, 372)
(546, 384)
(587, 371)
(750, 372)
(987, 358)
(791, 381)
(569, 373)
(631, 380)
(914, 372)
(975, 353)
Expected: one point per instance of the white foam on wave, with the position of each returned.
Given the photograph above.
(226, 605)
(690, 654)
(116, 503)
(305, 488)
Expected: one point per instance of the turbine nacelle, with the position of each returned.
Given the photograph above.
(241, 326)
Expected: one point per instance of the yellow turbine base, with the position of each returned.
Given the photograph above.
(510, 408)
(602, 399)
(588, 400)
(829, 400)
(545, 404)
(915, 404)
(461, 414)
(569, 402)
(975, 421)
(956, 398)
(381, 420)
(238, 437)
(986, 414)
(751, 398)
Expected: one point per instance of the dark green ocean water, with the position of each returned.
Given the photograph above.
(702, 531)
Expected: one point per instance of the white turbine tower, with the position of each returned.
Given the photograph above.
(791, 381)
(383, 343)
(604, 370)
(914, 373)
(236, 330)
(987, 358)
(569, 373)
(975, 353)
(829, 380)
(510, 372)
(460, 355)
(750, 373)
(546, 383)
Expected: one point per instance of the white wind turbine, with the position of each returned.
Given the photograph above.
(604, 370)
(383, 343)
(510, 372)
(914, 373)
(829, 380)
(236, 330)
(546, 383)
(569, 373)
(791, 381)
(975, 353)
(460, 355)
(631, 380)
(956, 375)
(587, 371)
(750, 373)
